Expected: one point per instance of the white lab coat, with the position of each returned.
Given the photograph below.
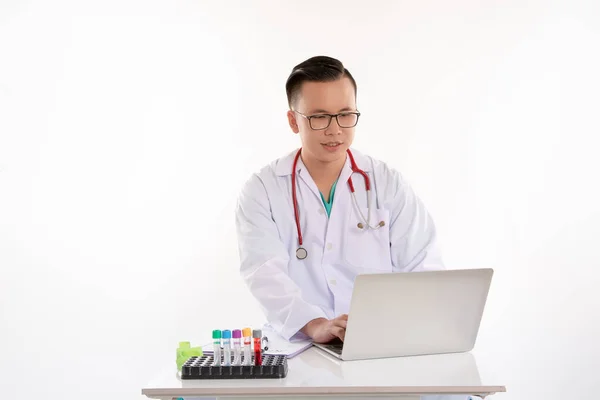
(292, 292)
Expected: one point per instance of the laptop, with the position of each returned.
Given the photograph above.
(413, 313)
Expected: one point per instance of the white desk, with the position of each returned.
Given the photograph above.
(314, 373)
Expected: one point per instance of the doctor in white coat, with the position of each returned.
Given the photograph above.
(306, 224)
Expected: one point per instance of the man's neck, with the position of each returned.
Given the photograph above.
(324, 173)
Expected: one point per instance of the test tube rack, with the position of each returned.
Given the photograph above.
(273, 366)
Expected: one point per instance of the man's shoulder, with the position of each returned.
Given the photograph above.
(379, 167)
(389, 183)
(278, 167)
(269, 172)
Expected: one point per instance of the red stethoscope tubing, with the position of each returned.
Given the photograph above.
(350, 184)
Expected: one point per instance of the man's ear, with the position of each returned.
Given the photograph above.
(293, 121)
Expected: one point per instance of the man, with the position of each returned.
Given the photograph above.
(305, 231)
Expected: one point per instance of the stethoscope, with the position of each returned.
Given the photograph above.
(301, 252)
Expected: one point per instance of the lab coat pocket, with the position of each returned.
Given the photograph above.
(368, 249)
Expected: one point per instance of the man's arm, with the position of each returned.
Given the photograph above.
(413, 236)
(264, 264)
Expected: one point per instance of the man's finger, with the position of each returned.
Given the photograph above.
(339, 332)
(343, 317)
(340, 322)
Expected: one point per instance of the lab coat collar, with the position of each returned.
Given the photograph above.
(284, 164)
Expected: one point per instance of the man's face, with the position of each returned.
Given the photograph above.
(316, 99)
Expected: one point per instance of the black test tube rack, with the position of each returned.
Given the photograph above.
(273, 366)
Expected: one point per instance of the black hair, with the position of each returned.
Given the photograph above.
(315, 69)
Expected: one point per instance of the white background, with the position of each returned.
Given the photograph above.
(128, 127)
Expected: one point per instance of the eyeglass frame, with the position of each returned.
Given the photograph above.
(309, 117)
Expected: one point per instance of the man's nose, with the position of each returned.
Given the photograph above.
(333, 128)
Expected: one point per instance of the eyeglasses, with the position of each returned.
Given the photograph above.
(345, 119)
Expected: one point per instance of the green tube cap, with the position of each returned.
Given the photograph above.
(216, 334)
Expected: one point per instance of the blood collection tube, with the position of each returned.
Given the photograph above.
(226, 347)
(247, 333)
(216, 347)
(237, 355)
(257, 338)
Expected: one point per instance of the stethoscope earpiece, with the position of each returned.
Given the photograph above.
(379, 225)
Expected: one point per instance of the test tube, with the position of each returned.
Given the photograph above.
(227, 347)
(237, 355)
(257, 336)
(246, 332)
(216, 347)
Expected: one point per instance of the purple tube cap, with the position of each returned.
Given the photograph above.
(237, 334)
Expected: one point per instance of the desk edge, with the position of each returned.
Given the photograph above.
(325, 390)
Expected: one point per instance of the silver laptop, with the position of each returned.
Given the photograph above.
(415, 313)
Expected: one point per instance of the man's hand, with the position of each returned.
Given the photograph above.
(323, 330)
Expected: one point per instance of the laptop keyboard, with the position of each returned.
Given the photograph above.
(335, 347)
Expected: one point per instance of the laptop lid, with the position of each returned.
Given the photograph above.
(416, 313)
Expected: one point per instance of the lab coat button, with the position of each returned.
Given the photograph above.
(329, 246)
(321, 211)
(332, 282)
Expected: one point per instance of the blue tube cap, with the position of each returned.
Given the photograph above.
(226, 334)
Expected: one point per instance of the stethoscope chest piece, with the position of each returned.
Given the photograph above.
(301, 253)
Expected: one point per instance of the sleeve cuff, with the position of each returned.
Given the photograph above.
(299, 316)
